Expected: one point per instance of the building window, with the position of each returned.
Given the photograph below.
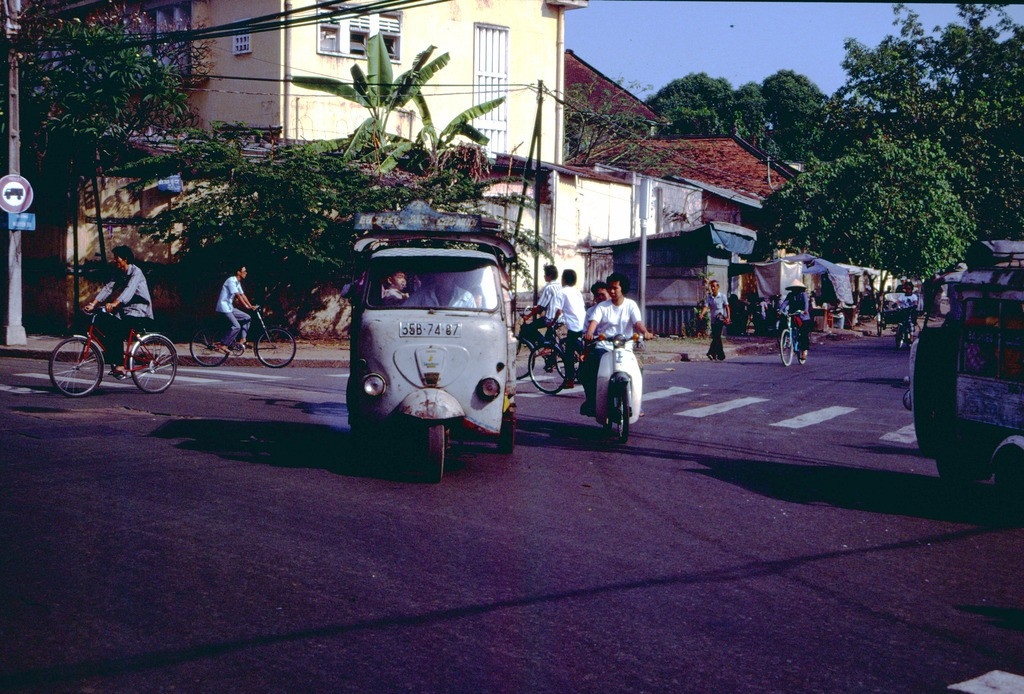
(348, 36)
(490, 82)
(166, 19)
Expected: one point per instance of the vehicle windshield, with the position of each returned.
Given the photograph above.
(433, 282)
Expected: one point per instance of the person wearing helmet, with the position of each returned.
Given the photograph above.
(798, 304)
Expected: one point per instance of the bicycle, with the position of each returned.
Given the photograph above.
(76, 364)
(274, 348)
(789, 340)
(906, 328)
(543, 360)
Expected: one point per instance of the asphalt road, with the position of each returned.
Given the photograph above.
(766, 529)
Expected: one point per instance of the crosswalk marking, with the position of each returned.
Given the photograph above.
(666, 393)
(720, 407)
(994, 682)
(233, 374)
(806, 420)
(905, 435)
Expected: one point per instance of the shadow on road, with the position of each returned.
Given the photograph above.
(875, 491)
(296, 445)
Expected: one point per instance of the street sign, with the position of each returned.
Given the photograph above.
(171, 184)
(21, 221)
(15, 193)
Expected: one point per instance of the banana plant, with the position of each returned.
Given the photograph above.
(378, 91)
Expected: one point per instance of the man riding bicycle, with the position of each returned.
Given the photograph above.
(132, 308)
(238, 320)
(798, 304)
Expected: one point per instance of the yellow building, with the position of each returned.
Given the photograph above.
(497, 48)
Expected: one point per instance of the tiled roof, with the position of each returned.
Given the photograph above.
(603, 92)
(724, 161)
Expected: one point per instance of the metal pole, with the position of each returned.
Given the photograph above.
(645, 205)
(14, 331)
(536, 191)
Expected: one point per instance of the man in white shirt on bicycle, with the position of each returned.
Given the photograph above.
(238, 320)
(572, 312)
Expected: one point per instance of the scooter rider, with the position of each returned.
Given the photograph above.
(616, 316)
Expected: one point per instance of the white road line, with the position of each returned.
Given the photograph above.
(231, 374)
(995, 682)
(806, 420)
(107, 381)
(194, 379)
(720, 407)
(337, 375)
(666, 393)
(18, 390)
(905, 435)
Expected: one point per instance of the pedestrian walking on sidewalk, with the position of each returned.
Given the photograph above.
(717, 306)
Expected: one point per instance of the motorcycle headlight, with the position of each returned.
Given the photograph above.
(489, 388)
(620, 340)
(374, 385)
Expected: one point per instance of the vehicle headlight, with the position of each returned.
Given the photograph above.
(374, 385)
(620, 340)
(489, 388)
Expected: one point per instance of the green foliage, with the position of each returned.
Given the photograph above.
(783, 115)
(696, 104)
(382, 94)
(886, 204)
(962, 87)
(88, 88)
(287, 215)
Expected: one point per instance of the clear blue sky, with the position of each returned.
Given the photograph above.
(648, 43)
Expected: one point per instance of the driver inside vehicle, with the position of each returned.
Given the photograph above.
(444, 291)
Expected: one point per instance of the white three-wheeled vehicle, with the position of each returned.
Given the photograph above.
(432, 346)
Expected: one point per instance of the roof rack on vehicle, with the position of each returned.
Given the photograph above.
(995, 254)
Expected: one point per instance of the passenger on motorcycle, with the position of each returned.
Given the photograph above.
(798, 304)
(616, 316)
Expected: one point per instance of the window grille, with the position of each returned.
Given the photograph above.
(491, 68)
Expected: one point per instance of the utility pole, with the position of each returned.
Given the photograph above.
(14, 331)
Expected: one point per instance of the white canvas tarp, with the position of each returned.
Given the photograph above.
(774, 276)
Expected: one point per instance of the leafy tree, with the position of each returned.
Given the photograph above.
(793, 114)
(749, 112)
(891, 204)
(89, 89)
(382, 94)
(696, 104)
(961, 86)
(289, 214)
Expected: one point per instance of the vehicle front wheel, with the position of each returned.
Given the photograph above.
(621, 424)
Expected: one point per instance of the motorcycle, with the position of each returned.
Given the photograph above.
(620, 386)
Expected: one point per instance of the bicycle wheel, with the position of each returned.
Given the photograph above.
(275, 348)
(153, 363)
(76, 366)
(547, 369)
(203, 348)
(786, 347)
(522, 367)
